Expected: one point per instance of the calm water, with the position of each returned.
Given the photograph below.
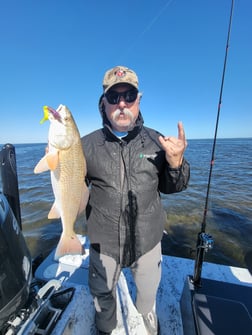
(229, 216)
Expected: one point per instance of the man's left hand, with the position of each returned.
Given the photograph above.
(174, 147)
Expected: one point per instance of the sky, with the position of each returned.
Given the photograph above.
(57, 51)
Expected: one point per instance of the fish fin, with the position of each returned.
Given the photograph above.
(48, 162)
(54, 212)
(68, 245)
(84, 198)
(53, 160)
(42, 165)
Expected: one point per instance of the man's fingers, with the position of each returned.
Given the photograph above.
(181, 132)
(162, 141)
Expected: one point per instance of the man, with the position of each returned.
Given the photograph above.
(128, 166)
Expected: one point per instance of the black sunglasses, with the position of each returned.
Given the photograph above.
(114, 97)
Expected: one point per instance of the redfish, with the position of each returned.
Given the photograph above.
(66, 161)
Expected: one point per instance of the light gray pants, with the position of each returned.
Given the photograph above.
(104, 274)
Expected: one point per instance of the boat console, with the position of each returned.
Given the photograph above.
(216, 308)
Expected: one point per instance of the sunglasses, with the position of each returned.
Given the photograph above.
(114, 97)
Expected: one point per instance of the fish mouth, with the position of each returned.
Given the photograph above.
(54, 113)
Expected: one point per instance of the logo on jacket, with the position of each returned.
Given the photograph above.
(152, 156)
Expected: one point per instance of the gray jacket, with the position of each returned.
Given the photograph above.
(125, 217)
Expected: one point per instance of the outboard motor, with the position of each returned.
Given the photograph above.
(9, 179)
(15, 258)
(15, 264)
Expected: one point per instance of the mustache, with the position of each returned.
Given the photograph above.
(125, 111)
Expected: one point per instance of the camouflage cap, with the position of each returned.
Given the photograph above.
(119, 75)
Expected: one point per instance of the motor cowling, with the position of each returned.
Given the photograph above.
(15, 264)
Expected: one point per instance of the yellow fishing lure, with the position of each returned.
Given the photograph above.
(46, 115)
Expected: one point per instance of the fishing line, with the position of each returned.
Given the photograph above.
(146, 29)
(154, 20)
(205, 241)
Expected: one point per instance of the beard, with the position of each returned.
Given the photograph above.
(126, 124)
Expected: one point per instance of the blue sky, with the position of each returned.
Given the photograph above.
(56, 52)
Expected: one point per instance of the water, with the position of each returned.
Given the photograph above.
(229, 215)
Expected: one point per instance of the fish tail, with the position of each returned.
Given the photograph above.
(68, 245)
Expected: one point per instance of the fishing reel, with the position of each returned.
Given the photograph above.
(205, 241)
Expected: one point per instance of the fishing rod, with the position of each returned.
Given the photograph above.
(205, 241)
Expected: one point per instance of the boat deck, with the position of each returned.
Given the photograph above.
(79, 314)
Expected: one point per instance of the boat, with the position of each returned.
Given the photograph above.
(44, 296)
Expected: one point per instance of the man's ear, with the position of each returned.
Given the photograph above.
(103, 108)
(101, 105)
